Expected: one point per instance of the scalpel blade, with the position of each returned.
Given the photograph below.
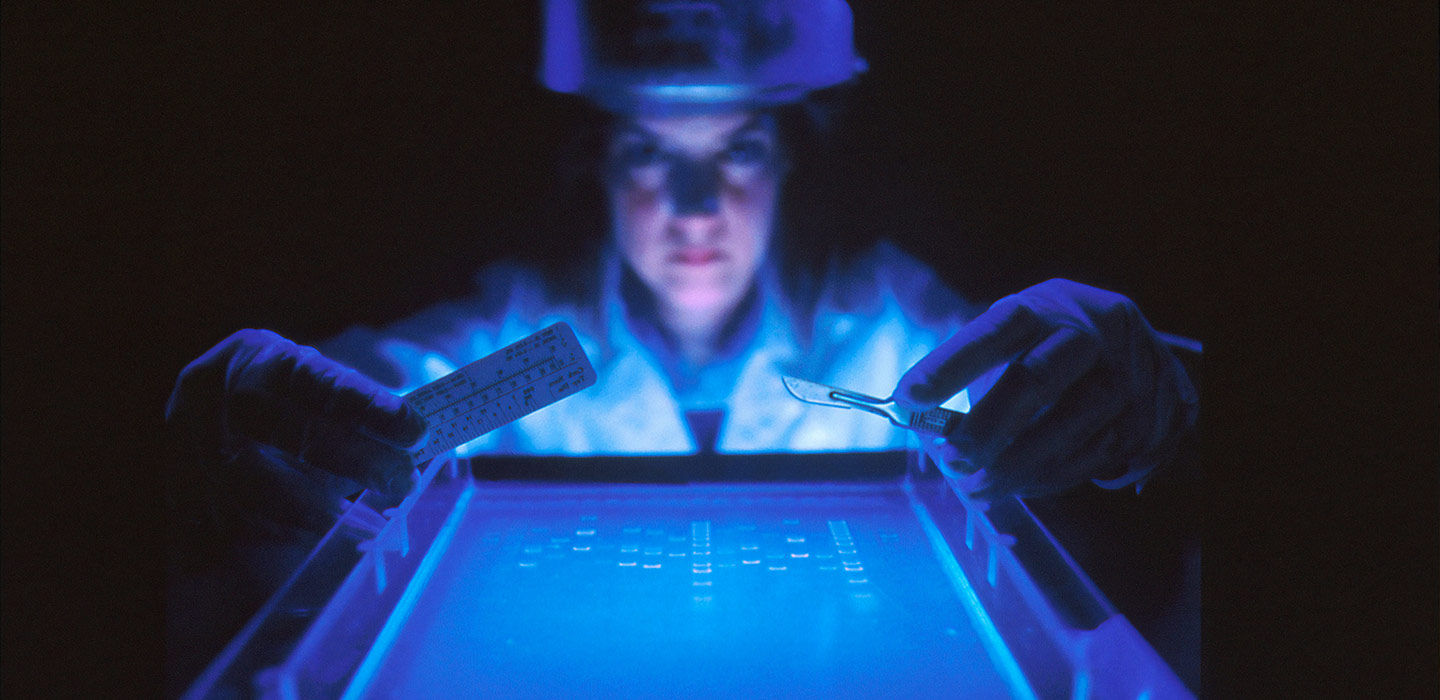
(816, 393)
(936, 421)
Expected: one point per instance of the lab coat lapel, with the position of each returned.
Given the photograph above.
(761, 414)
(638, 410)
(636, 404)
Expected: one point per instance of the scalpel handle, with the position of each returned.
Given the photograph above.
(936, 421)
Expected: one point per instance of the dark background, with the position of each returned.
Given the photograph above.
(1251, 177)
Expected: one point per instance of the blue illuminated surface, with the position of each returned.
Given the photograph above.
(686, 591)
(386, 638)
(999, 654)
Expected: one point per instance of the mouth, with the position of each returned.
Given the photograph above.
(697, 255)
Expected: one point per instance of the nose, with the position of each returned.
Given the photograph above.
(694, 189)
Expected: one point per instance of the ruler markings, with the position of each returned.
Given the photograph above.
(561, 369)
(485, 389)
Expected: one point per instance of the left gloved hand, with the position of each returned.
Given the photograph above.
(1091, 393)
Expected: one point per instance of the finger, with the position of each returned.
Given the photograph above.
(996, 336)
(383, 499)
(351, 397)
(260, 481)
(331, 482)
(1029, 386)
(323, 413)
(1088, 408)
(321, 442)
(1096, 455)
(947, 458)
(970, 486)
(332, 389)
(365, 461)
(270, 419)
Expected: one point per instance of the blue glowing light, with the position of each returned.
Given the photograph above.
(724, 590)
(393, 626)
(994, 645)
(862, 333)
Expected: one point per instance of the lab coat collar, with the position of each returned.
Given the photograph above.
(775, 335)
(758, 409)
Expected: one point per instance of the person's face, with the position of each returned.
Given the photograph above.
(692, 201)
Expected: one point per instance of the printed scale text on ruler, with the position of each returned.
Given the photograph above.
(512, 382)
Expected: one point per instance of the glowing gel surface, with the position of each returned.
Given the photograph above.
(688, 591)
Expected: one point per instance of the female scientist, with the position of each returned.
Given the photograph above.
(693, 308)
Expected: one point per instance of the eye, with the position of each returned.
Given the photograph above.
(637, 154)
(638, 162)
(748, 151)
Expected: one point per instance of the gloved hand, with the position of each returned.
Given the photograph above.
(1090, 393)
(284, 433)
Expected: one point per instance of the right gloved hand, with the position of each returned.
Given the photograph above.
(284, 433)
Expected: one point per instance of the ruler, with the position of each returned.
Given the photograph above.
(515, 381)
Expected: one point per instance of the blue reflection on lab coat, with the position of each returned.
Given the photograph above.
(865, 323)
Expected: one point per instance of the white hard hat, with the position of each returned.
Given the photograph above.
(688, 56)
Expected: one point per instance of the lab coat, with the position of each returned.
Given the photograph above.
(861, 325)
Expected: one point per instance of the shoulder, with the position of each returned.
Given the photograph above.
(885, 275)
(507, 298)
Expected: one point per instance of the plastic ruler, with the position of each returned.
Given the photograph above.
(512, 382)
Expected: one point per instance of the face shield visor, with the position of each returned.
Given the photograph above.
(679, 57)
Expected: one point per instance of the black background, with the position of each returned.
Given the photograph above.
(1251, 177)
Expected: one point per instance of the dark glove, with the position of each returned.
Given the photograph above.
(280, 431)
(1090, 393)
